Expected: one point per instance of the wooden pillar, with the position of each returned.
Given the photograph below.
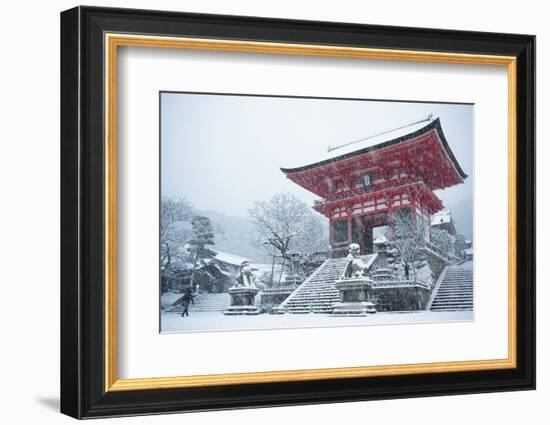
(429, 225)
(367, 238)
(349, 227)
(361, 225)
(413, 208)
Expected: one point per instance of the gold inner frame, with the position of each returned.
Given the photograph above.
(113, 41)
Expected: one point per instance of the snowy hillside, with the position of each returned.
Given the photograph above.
(236, 235)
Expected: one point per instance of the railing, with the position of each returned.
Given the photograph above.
(400, 284)
(436, 287)
(378, 187)
(281, 289)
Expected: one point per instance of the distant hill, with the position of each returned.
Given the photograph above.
(463, 216)
(235, 235)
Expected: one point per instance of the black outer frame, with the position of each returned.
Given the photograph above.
(82, 219)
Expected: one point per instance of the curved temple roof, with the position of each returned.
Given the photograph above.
(435, 124)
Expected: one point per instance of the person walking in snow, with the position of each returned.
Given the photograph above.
(185, 300)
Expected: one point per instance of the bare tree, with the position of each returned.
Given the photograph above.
(407, 237)
(312, 239)
(286, 225)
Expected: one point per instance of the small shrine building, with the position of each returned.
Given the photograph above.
(360, 189)
(444, 220)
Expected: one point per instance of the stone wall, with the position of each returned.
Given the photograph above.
(400, 298)
(272, 297)
(427, 269)
(407, 297)
(436, 263)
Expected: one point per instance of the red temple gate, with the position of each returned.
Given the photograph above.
(361, 189)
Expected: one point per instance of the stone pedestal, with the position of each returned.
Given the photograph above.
(242, 301)
(354, 297)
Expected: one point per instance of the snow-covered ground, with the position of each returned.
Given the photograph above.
(216, 321)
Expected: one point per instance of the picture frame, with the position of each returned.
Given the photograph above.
(90, 40)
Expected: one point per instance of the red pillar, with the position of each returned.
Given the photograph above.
(349, 227)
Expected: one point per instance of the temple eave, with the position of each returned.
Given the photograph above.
(411, 144)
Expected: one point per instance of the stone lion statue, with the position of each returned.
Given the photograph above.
(245, 278)
(355, 267)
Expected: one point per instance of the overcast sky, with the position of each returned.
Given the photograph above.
(222, 153)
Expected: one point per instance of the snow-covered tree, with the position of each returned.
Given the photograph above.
(443, 240)
(175, 218)
(286, 225)
(407, 238)
(202, 236)
(460, 245)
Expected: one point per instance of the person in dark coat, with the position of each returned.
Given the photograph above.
(185, 300)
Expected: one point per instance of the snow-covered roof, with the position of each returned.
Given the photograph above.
(237, 260)
(228, 258)
(442, 217)
(374, 142)
(441, 168)
(262, 268)
(345, 147)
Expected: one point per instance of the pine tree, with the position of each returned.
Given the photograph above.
(203, 235)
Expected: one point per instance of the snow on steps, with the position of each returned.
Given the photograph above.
(456, 290)
(317, 293)
(210, 302)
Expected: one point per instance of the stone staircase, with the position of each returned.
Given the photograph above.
(455, 291)
(209, 303)
(317, 293)
(206, 302)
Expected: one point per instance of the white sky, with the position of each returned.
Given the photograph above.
(222, 153)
